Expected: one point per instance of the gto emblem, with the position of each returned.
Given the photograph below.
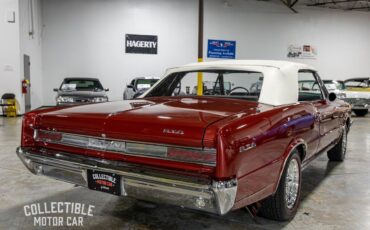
(173, 131)
(247, 147)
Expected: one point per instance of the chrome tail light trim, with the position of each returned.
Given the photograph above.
(204, 156)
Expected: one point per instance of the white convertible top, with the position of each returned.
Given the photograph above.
(280, 83)
(264, 63)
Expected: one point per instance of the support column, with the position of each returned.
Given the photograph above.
(200, 45)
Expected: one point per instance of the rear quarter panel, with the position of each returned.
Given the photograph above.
(253, 148)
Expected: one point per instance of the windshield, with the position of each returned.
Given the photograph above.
(233, 84)
(333, 85)
(308, 85)
(357, 84)
(81, 84)
(330, 86)
(145, 83)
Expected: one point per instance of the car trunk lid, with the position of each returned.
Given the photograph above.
(166, 120)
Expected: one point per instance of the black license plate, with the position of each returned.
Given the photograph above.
(104, 182)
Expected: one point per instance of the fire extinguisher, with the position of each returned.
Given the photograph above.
(25, 85)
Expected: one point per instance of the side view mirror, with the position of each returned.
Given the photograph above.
(55, 89)
(332, 96)
(106, 90)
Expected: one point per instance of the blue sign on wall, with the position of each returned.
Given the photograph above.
(221, 49)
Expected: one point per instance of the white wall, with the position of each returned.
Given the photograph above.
(31, 46)
(264, 30)
(9, 51)
(14, 42)
(86, 37)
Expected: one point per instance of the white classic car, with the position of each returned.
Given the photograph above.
(332, 86)
(138, 86)
(336, 87)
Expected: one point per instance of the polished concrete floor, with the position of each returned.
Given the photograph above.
(335, 195)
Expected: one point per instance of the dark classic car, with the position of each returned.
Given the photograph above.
(74, 91)
(229, 149)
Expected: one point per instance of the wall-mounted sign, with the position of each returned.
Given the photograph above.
(141, 44)
(302, 52)
(221, 49)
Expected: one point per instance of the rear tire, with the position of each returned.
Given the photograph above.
(338, 153)
(284, 203)
(361, 112)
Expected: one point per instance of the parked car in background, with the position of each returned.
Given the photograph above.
(337, 87)
(74, 91)
(138, 86)
(358, 95)
(333, 86)
(232, 148)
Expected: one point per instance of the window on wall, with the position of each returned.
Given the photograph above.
(309, 88)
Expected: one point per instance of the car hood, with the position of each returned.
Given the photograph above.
(82, 93)
(169, 120)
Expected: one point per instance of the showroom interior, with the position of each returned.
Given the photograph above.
(46, 43)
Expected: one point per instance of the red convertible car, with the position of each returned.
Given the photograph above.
(241, 141)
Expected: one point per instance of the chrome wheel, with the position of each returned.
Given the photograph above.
(292, 183)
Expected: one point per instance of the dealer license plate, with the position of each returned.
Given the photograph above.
(104, 182)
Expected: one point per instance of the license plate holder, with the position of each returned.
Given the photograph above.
(104, 182)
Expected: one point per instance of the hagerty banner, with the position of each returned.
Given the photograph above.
(141, 44)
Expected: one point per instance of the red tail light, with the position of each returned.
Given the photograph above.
(28, 126)
(41, 135)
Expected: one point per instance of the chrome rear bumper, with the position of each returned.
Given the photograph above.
(145, 184)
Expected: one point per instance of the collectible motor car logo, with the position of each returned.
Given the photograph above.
(58, 214)
(173, 131)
